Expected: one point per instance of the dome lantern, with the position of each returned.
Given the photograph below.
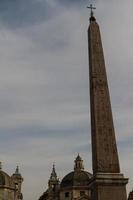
(78, 164)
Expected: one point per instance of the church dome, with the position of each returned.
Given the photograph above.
(5, 180)
(78, 177)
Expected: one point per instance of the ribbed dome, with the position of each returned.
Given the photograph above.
(5, 180)
(76, 178)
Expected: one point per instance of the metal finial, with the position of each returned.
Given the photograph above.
(91, 8)
(78, 156)
(53, 164)
(17, 170)
(53, 173)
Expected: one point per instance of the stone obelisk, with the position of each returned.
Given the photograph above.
(107, 183)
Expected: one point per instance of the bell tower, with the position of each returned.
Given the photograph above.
(107, 183)
(18, 179)
(53, 181)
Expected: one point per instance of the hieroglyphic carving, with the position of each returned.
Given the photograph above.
(105, 155)
(107, 184)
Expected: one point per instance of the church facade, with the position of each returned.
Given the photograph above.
(10, 186)
(74, 186)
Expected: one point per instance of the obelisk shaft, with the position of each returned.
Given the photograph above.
(107, 182)
(105, 156)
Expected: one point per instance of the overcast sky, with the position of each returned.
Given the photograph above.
(44, 86)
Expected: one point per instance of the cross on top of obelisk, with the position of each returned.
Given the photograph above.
(91, 8)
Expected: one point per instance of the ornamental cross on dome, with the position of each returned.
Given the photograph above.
(91, 8)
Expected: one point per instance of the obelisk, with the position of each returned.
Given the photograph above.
(107, 183)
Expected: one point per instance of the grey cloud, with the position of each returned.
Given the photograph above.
(24, 13)
(71, 2)
(34, 131)
(19, 13)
